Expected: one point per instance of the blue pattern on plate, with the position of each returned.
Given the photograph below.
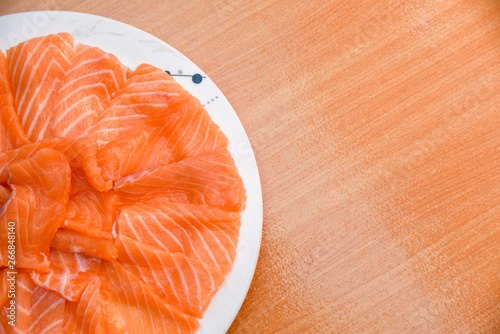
(197, 78)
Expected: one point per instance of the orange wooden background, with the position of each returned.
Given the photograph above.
(376, 129)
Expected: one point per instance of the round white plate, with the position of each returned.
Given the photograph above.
(133, 47)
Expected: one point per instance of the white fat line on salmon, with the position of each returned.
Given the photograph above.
(11, 273)
(26, 110)
(154, 93)
(91, 75)
(81, 117)
(76, 91)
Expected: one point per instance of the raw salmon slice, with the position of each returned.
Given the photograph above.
(85, 316)
(11, 132)
(81, 154)
(24, 288)
(69, 274)
(4, 193)
(4, 75)
(185, 283)
(79, 181)
(205, 233)
(4, 286)
(38, 310)
(130, 306)
(133, 152)
(77, 242)
(36, 68)
(141, 103)
(151, 122)
(189, 128)
(86, 89)
(40, 191)
(90, 211)
(210, 179)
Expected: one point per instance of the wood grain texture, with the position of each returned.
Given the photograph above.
(376, 129)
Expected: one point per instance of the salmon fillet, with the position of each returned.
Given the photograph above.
(36, 68)
(210, 179)
(81, 154)
(87, 87)
(4, 286)
(38, 310)
(201, 232)
(77, 242)
(4, 193)
(41, 181)
(11, 132)
(69, 273)
(90, 211)
(130, 306)
(157, 121)
(184, 283)
(86, 316)
(133, 152)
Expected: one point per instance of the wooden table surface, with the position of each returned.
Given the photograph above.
(376, 130)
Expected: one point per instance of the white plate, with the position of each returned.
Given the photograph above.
(133, 47)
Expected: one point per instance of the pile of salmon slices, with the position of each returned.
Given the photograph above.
(120, 201)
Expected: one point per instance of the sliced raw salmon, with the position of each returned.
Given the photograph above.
(133, 152)
(86, 144)
(182, 282)
(86, 89)
(79, 181)
(37, 310)
(37, 207)
(4, 76)
(85, 316)
(11, 132)
(47, 312)
(4, 193)
(130, 306)
(142, 103)
(151, 122)
(90, 211)
(36, 68)
(69, 273)
(4, 286)
(191, 132)
(77, 242)
(19, 317)
(201, 232)
(189, 129)
(210, 179)
(81, 154)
